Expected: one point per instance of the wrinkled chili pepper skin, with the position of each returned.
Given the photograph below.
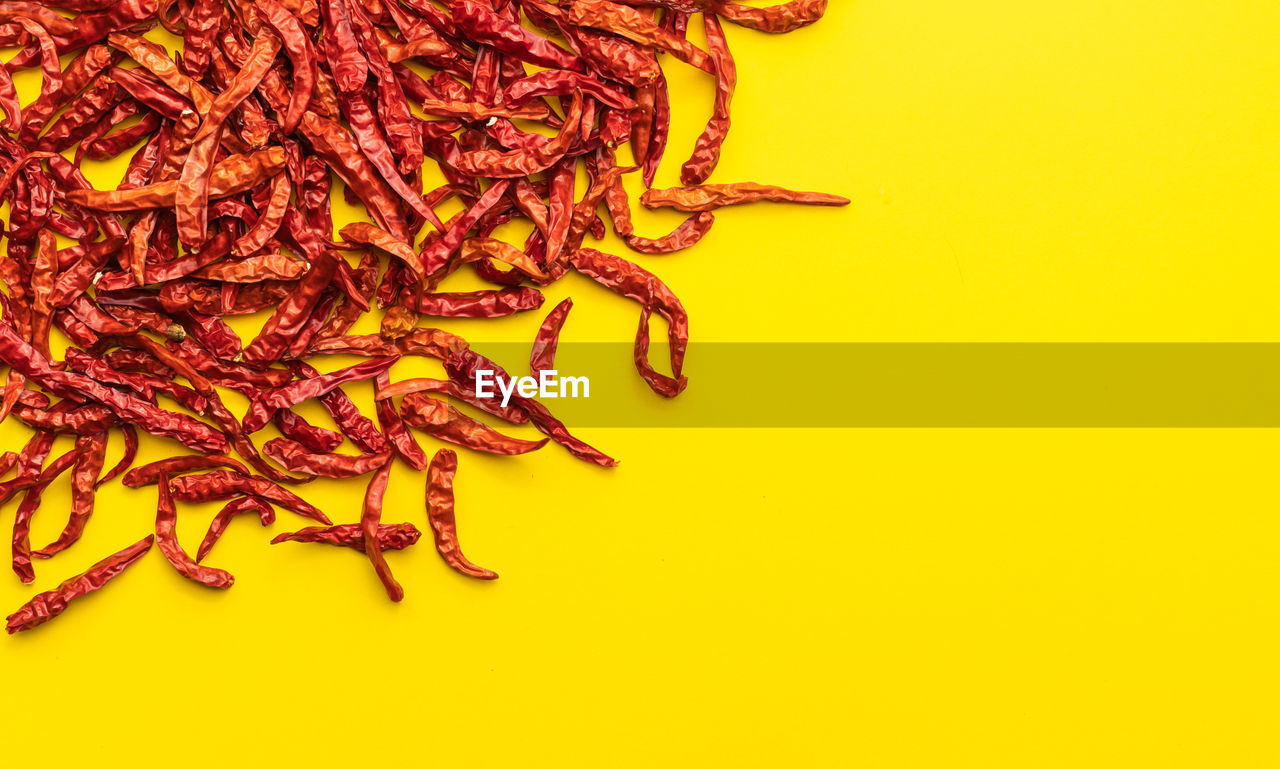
(50, 604)
(712, 196)
(391, 536)
(543, 355)
(370, 519)
(440, 514)
(224, 210)
(167, 539)
(266, 514)
(448, 424)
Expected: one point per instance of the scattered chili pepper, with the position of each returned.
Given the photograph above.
(224, 210)
(166, 536)
(370, 519)
(543, 355)
(266, 514)
(444, 465)
(709, 197)
(50, 604)
(391, 536)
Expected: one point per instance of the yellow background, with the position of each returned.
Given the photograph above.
(1095, 170)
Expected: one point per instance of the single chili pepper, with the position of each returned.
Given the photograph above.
(145, 475)
(461, 368)
(476, 249)
(50, 604)
(296, 458)
(402, 441)
(709, 197)
(776, 19)
(301, 54)
(391, 536)
(266, 514)
(298, 391)
(706, 152)
(363, 232)
(231, 176)
(429, 342)
(476, 304)
(90, 456)
(370, 519)
(269, 222)
(27, 509)
(442, 421)
(294, 427)
(640, 285)
(453, 390)
(126, 460)
(440, 514)
(543, 355)
(224, 484)
(166, 536)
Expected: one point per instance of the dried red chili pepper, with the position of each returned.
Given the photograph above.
(444, 465)
(709, 197)
(266, 514)
(543, 355)
(166, 536)
(50, 604)
(370, 519)
(391, 536)
(448, 424)
(91, 454)
(27, 509)
(224, 484)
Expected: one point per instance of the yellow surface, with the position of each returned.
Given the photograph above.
(1020, 171)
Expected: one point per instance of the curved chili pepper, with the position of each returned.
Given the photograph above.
(266, 514)
(542, 356)
(224, 484)
(444, 465)
(166, 537)
(50, 604)
(370, 520)
(448, 424)
(91, 454)
(21, 540)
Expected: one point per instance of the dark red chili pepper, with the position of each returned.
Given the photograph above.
(224, 484)
(712, 196)
(50, 604)
(543, 355)
(448, 424)
(266, 514)
(441, 516)
(370, 520)
(91, 454)
(295, 428)
(27, 509)
(391, 536)
(166, 536)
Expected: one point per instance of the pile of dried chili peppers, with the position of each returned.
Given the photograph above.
(224, 210)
